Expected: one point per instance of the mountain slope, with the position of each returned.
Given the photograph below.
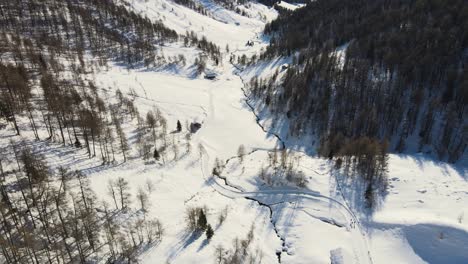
(401, 76)
(127, 153)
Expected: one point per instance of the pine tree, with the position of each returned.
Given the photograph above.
(179, 126)
(202, 222)
(156, 154)
(209, 232)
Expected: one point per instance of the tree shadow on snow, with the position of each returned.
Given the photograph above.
(353, 189)
(186, 238)
(435, 244)
(203, 245)
(423, 160)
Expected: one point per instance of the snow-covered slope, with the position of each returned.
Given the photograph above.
(422, 219)
(224, 27)
(289, 6)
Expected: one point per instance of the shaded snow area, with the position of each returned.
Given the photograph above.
(298, 207)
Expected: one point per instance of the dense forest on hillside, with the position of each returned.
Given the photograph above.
(101, 27)
(40, 39)
(404, 77)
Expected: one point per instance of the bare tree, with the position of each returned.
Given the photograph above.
(111, 190)
(143, 200)
(123, 190)
(124, 147)
(151, 122)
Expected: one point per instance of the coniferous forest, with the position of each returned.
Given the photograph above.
(404, 77)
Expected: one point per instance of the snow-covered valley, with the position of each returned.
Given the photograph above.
(317, 217)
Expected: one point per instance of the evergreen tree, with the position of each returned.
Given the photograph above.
(179, 126)
(202, 222)
(209, 232)
(156, 154)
